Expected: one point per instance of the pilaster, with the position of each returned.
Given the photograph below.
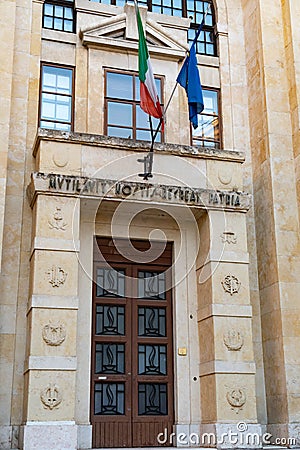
(50, 369)
(227, 368)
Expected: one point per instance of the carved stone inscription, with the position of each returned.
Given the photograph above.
(137, 191)
(51, 396)
(54, 333)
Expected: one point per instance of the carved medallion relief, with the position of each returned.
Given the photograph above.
(56, 276)
(51, 396)
(57, 221)
(236, 398)
(231, 284)
(233, 340)
(54, 333)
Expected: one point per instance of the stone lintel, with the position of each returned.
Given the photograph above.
(218, 309)
(139, 192)
(132, 145)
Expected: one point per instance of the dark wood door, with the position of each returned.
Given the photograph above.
(132, 356)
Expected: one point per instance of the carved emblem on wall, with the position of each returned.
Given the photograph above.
(236, 399)
(229, 237)
(231, 284)
(57, 276)
(225, 175)
(54, 333)
(57, 222)
(233, 340)
(51, 396)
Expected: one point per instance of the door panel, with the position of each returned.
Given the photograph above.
(132, 364)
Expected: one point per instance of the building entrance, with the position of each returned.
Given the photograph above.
(132, 357)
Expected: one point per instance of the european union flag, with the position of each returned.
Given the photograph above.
(189, 79)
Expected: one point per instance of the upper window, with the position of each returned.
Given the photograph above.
(59, 15)
(194, 9)
(123, 115)
(206, 43)
(56, 102)
(208, 132)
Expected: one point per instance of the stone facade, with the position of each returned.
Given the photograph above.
(232, 215)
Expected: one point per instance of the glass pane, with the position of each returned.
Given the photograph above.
(49, 79)
(68, 13)
(110, 320)
(177, 4)
(58, 24)
(120, 132)
(64, 81)
(151, 321)
(63, 111)
(119, 85)
(208, 20)
(209, 49)
(68, 26)
(120, 2)
(48, 22)
(59, 11)
(156, 9)
(143, 135)
(119, 114)
(48, 107)
(109, 398)
(143, 121)
(48, 9)
(110, 358)
(152, 359)
(152, 285)
(110, 283)
(56, 79)
(152, 399)
(167, 11)
(210, 101)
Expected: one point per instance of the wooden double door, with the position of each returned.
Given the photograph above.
(132, 356)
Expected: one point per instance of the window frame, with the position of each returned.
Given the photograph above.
(58, 66)
(220, 141)
(134, 102)
(63, 3)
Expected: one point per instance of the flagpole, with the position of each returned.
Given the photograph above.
(148, 160)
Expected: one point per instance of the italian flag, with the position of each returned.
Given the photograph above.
(148, 93)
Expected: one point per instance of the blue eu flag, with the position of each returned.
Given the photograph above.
(189, 79)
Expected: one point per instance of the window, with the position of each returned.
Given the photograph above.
(194, 9)
(59, 15)
(56, 103)
(123, 116)
(208, 132)
(206, 43)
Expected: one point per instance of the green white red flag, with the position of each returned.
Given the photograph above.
(148, 92)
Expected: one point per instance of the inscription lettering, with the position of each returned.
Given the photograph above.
(139, 191)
